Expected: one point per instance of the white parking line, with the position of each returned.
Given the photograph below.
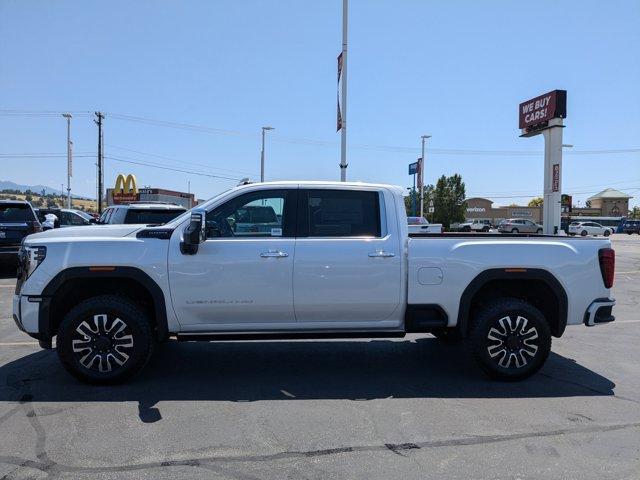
(7, 286)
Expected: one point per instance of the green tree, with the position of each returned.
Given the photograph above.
(449, 200)
(536, 202)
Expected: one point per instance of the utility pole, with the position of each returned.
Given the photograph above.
(343, 113)
(421, 186)
(100, 116)
(69, 171)
(264, 129)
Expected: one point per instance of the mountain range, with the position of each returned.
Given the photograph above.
(8, 185)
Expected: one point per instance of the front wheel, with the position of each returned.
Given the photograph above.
(515, 230)
(607, 233)
(539, 231)
(105, 339)
(510, 339)
(583, 233)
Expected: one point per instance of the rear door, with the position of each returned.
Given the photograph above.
(347, 270)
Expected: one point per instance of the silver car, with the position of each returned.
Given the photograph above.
(519, 225)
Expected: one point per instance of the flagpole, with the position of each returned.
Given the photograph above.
(343, 130)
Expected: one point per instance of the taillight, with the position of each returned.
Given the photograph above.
(607, 257)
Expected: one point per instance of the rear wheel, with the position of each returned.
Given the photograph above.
(539, 231)
(583, 233)
(105, 339)
(510, 339)
(607, 233)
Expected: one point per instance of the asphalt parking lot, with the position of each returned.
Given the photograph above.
(412, 408)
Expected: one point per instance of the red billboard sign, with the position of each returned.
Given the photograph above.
(540, 110)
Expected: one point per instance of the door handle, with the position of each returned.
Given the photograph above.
(381, 254)
(274, 254)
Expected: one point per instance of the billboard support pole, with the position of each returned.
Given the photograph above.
(552, 206)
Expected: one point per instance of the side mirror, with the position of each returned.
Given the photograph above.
(195, 233)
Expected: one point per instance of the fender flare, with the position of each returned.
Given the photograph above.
(74, 273)
(515, 273)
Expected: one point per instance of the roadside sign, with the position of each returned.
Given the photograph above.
(536, 113)
(413, 168)
(556, 178)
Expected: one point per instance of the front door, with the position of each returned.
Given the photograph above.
(241, 276)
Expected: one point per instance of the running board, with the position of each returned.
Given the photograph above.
(208, 337)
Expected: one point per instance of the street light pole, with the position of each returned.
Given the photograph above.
(69, 172)
(264, 129)
(343, 109)
(421, 186)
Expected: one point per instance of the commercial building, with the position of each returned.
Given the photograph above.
(483, 209)
(610, 205)
(127, 191)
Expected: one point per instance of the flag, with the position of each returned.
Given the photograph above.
(339, 114)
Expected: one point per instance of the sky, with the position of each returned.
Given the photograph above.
(187, 85)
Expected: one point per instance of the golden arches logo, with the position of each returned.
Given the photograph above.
(126, 185)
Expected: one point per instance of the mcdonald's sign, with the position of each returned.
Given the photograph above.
(126, 189)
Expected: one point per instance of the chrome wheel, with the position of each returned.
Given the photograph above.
(512, 342)
(102, 343)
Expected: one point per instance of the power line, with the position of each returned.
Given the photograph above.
(40, 113)
(164, 167)
(179, 160)
(324, 143)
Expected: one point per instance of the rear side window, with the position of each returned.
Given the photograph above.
(16, 212)
(340, 213)
(148, 216)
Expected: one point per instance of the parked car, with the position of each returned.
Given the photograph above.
(422, 225)
(475, 226)
(145, 213)
(342, 265)
(519, 225)
(631, 226)
(588, 228)
(67, 217)
(17, 220)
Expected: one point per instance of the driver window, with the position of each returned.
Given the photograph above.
(255, 214)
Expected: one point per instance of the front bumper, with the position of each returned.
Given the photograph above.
(599, 312)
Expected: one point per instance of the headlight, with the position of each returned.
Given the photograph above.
(32, 258)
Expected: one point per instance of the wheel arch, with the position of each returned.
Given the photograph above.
(537, 286)
(72, 285)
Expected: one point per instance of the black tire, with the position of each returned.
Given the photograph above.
(448, 335)
(506, 347)
(607, 233)
(485, 229)
(515, 230)
(92, 352)
(539, 231)
(583, 233)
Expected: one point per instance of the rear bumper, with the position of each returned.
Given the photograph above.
(599, 312)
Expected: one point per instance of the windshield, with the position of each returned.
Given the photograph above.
(148, 216)
(15, 212)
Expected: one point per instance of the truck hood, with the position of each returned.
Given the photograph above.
(94, 231)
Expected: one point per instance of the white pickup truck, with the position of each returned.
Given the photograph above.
(336, 261)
